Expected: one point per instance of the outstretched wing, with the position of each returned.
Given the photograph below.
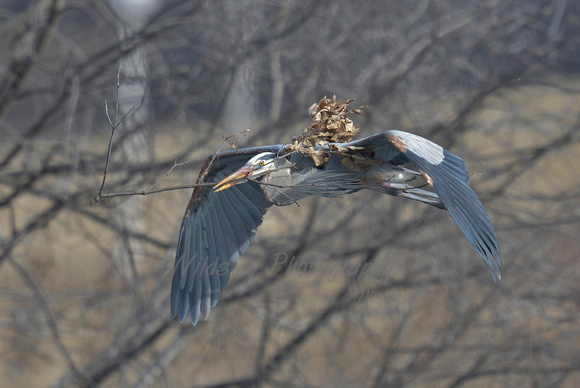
(447, 174)
(216, 230)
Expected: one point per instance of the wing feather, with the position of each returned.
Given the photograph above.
(217, 228)
(448, 175)
(230, 257)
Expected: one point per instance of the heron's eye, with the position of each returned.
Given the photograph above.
(261, 163)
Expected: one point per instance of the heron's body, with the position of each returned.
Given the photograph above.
(219, 223)
(338, 176)
(283, 187)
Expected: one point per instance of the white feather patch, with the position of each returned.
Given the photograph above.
(424, 148)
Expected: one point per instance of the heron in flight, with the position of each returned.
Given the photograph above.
(220, 221)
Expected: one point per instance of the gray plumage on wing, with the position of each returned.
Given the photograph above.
(220, 222)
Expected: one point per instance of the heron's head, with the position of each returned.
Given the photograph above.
(260, 165)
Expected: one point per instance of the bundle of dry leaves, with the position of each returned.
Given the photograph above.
(330, 124)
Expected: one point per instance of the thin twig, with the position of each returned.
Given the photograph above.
(114, 123)
(147, 191)
(277, 188)
(175, 164)
(226, 139)
(150, 189)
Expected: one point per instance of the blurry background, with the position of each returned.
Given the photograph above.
(84, 289)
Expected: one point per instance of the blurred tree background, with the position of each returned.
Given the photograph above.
(363, 290)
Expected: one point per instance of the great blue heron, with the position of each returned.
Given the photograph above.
(220, 222)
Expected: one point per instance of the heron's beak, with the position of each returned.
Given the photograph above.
(233, 179)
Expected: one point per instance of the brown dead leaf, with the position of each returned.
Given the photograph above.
(319, 158)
